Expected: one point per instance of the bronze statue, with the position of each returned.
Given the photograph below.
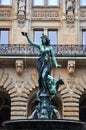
(47, 87)
(44, 62)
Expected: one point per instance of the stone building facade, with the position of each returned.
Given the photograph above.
(63, 20)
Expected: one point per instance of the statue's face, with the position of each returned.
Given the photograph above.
(43, 40)
(44, 113)
(19, 66)
(71, 67)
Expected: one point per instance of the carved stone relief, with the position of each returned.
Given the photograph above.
(70, 11)
(70, 19)
(21, 12)
(19, 85)
(70, 84)
(21, 20)
(21, 7)
(19, 66)
(71, 67)
(5, 13)
(45, 14)
(70, 6)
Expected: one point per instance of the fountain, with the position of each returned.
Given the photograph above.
(45, 116)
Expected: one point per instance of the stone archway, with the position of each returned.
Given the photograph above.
(82, 108)
(57, 102)
(5, 106)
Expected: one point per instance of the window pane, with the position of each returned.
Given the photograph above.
(53, 2)
(83, 2)
(84, 39)
(5, 2)
(53, 37)
(38, 2)
(3, 36)
(37, 35)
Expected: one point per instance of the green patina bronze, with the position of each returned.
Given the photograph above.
(47, 84)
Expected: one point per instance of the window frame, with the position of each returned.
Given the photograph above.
(34, 34)
(84, 45)
(56, 35)
(53, 5)
(9, 4)
(82, 5)
(4, 29)
(45, 4)
(37, 5)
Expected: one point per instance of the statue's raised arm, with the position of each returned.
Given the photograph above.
(29, 40)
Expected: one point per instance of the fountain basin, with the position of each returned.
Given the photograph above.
(28, 124)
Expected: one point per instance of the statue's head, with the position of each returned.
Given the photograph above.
(45, 40)
(71, 66)
(19, 66)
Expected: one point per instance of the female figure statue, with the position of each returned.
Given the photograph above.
(44, 61)
(47, 88)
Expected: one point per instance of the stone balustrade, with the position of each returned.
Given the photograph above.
(27, 50)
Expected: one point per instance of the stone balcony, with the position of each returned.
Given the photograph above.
(27, 50)
(29, 54)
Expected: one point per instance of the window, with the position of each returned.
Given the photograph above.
(37, 35)
(5, 2)
(52, 36)
(53, 2)
(83, 2)
(45, 2)
(84, 39)
(5, 107)
(38, 2)
(4, 36)
(37, 38)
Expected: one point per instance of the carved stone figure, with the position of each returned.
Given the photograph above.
(19, 66)
(71, 66)
(70, 6)
(21, 6)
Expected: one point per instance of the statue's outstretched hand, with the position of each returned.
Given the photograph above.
(24, 33)
(57, 66)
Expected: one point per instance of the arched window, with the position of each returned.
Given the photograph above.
(82, 108)
(5, 107)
